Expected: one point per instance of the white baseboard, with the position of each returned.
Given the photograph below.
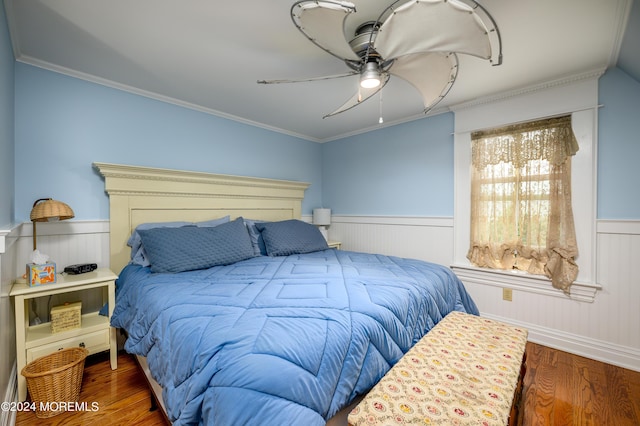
(8, 418)
(607, 352)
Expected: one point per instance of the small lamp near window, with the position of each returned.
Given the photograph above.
(49, 210)
(322, 218)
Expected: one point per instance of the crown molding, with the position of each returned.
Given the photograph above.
(588, 75)
(623, 12)
(151, 95)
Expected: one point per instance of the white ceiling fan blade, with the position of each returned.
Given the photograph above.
(433, 25)
(322, 22)
(362, 95)
(303, 80)
(432, 73)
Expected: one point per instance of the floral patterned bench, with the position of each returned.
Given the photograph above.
(467, 370)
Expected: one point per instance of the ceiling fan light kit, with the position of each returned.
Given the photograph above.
(415, 40)
(370, 77)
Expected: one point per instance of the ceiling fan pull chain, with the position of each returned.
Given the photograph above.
(380, 120)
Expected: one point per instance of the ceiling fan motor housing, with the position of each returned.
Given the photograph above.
(365, 36)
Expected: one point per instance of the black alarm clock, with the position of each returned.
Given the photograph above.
(80, 268)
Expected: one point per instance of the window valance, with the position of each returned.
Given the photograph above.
(550, 139)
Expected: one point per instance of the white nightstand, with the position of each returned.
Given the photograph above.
(95, 333)
(334, 244)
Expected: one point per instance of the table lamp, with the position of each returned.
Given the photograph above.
(322, 218)
(48, 210)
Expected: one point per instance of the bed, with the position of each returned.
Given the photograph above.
(284, 335)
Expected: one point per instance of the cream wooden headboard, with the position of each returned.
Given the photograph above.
(144, 194)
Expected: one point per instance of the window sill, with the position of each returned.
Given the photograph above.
(580, 291)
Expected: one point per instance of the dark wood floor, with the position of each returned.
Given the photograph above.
(122, 395)
(565, 389)
(559, 389)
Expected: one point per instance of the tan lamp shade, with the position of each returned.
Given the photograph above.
(49, 210)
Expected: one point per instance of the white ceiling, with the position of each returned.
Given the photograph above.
(208, 55)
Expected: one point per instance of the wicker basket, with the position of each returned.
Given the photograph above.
(55, 378)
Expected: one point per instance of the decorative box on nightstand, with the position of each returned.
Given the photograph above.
(66, 317)
(94, 333)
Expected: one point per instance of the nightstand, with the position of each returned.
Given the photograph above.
(95, 333)
(334, 244)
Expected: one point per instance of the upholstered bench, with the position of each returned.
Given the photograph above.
(466, 370)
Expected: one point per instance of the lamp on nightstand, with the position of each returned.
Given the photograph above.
(322, 218)
(49, 210)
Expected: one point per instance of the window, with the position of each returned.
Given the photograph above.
(521, 213)
(576, 96)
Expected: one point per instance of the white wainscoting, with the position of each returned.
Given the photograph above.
(425, 238)
(8, 382)
(606, 328)
(66, 243)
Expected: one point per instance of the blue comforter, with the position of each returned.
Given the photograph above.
(280, 340)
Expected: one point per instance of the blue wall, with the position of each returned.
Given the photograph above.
(407, 169)
(619, 146)
(404, 170)
(6, 126)
(64, 124)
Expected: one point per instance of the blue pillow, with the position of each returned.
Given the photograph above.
(291, 237)
(138, 256)
(189, 247)
(137, 252)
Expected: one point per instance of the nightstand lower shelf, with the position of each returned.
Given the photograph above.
(95, 333)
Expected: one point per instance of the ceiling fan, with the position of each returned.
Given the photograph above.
(416, 40)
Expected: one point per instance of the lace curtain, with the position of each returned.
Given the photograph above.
(521, 215)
